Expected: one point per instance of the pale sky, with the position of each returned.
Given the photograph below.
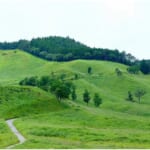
(114, 24)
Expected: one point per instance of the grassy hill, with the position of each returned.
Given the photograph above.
(49, 124)
(22, 101)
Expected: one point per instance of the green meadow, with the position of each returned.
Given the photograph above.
(6, 137)
(46, 123)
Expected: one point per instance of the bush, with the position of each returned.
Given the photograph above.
(97, 100)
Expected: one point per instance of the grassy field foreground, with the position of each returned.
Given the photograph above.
(78, 128)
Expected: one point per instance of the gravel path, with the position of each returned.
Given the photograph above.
(16, 132)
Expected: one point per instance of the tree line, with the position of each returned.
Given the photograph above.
(61, 88)
(55, 48)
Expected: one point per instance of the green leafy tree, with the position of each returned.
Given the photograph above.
(86, 96)
(130, 97)
(73, 94)
(44, 83)
(139, 93)
(97, 100)
(54, 85)
(32, 81)
(145, 66)
(76, 76)
(89, 70)
(62, 92)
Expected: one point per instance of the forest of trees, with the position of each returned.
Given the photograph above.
(56, 48)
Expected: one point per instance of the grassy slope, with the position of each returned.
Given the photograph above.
(6, 137)
(18, 101)
(78, 128)
(128, 123)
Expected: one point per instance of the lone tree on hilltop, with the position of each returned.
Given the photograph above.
(86, 96)
(140, 93)
(97, 100)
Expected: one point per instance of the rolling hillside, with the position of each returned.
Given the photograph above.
(48, 124)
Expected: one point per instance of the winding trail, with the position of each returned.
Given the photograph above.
(16, 132)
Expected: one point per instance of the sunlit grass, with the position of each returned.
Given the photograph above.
(6, 136)
(81, 129)
(46, 123)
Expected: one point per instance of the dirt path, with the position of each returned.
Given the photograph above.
(16, 132)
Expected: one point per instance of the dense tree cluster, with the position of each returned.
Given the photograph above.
(62, 89)
(145, 66)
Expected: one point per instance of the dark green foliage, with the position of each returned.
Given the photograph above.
(133, 69)
(44, 83)
(139, 93)
(130, 97)
(73, 94)
(62, 76)
(76, 76)
(89, 70)
(145, 66)
(33, 81)
(45, 80)
(62, 89)
(118, 72)
(86, 96)
(97, 100)
(23, 44)
(55, 83)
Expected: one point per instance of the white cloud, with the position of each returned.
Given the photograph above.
(118, 9)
